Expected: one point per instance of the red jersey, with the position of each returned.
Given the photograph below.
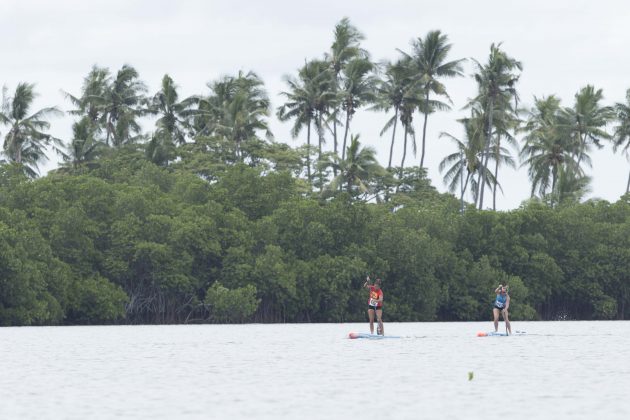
(374, 296)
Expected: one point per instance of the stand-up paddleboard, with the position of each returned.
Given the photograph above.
(355, 335)
(498, 334)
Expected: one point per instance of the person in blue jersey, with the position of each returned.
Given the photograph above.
(501, 306)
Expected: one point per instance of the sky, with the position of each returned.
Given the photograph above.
(563, 46)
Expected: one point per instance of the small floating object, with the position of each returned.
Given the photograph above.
(355, 335)
(471, 375)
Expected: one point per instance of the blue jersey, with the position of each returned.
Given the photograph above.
(500, 301)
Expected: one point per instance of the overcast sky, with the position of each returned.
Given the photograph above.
(563, 45)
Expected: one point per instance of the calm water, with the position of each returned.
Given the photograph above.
(559, 370)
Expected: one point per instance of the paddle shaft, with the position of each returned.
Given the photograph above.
(505, 320)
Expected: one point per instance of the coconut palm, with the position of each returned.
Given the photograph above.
(345, 47)
(390, 93)
(587, 120)
(85, 148)
(236, 111)
(325, 99)
(357, 170)
(409, 106)
(92, 102)
(300, 106)
(161, 149)
(411, 101)
(548, 146)
(621, 134)
(429, 65)
(123, 104)
(26, 139)
(357, 88)
(505, 122)
(496, 82)
(571, 187)
(173, 115)
(461, 166)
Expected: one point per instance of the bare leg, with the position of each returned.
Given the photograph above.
(371, 316)
(379, 317)
(495, 312)
(507, 321)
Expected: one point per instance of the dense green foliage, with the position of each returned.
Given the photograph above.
(208, 219)
(132, 242)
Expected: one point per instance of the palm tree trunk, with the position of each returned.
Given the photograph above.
(11, 140)
(308, 151)
(628, 186)
(345, 135)
(109, 129)
(402, 162)
(464, 188)
(321, 140)
(496, 175)
(581, 152)
(424, 129)
(391, 147)
(335, 140)
(18, 155)
(461, 180)
(349, 184)
(484, 158)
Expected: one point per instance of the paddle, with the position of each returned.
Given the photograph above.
(504, 311)
(507, 288)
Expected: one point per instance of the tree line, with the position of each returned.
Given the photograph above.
(207, 218)
(129, 241)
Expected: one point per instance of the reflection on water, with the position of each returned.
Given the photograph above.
(558, 370)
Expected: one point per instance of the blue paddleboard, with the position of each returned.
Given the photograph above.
(355, 335)
(498, 334)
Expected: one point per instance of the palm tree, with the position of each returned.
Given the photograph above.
(505, 122)
(174, 115)
(496, 81)
(236, 111)
(85, 148)
(161, 149)
(300, 105)
(357, 88)
(411, 101)
(26, 139)
(357, 170)
(409, 106)
(389, 95)
(571, 187)
(124, 103)
(428, 61)
(621, 134)
(466, 161)
(92, 102)
(345, 47)
(587, 120)
(548, 146)
(321, 82)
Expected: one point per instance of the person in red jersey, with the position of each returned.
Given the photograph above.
(375, 305)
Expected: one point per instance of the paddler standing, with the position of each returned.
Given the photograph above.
(375, 305)
(501, 305)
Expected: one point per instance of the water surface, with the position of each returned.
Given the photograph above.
(558, 370)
